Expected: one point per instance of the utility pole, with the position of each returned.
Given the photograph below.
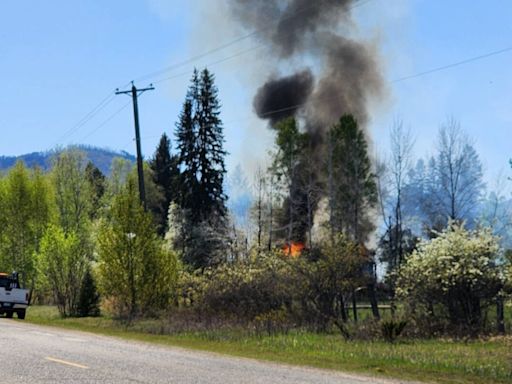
(140, 170)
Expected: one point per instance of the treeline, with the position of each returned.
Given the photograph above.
(324, 214)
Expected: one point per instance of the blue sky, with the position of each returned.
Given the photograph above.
(60, 58)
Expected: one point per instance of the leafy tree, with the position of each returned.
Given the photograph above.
(119, 171)
(166, 176)
(63, 267)
(77, 188)
(134, 269)
(25, 211)
(73, 192)
(43, 208)
(457, 272)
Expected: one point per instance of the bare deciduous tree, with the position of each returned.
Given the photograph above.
(456, 182)
(399, 165)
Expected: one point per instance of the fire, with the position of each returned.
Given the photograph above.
(293, 249)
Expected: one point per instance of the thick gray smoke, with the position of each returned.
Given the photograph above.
(347, 71)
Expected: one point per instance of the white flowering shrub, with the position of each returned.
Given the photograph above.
(453, 276)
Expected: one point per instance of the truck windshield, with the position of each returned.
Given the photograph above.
(5, 282)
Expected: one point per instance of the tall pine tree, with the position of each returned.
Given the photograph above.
(186, 139)
(210, 152)
(200, 141)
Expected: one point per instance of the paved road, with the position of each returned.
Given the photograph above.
(34, 354)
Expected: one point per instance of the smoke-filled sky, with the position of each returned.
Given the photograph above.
(60, 59)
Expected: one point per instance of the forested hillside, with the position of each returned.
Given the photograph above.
(100, 157)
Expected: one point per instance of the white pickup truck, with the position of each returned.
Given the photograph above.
(13, 299)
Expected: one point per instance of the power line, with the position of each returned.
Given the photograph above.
(419, 74)
(210, 64)
(88, 117)
(448, 66)
(235, 41)
(110, 96)
(297, 106)
(105, 121)
(107, 100)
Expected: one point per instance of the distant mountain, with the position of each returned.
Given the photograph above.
(100, 157)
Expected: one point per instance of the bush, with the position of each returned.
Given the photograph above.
(63, 264)
(392, 329)
(89, 300)
(452, 277)
(323, 282)
(243, 290)
(274, 292)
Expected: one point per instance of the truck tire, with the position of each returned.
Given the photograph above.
(21, 314)
(8, 315)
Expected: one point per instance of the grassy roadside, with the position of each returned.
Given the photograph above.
(440, 361)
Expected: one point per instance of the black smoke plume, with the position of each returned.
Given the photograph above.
(283, 97)
(344, 77)
(348, 74)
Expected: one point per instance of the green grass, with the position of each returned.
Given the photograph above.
(441, 361)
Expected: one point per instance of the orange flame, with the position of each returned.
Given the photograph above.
(293, 249)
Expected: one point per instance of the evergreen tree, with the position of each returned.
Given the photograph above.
(166, 176)
(186, 138)
(89, 299)
(200, 140)
(354, 187)
(97, 182)
(210, 152)
(288, 166)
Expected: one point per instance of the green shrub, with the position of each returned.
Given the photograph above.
(89, 300)
(391, 329)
